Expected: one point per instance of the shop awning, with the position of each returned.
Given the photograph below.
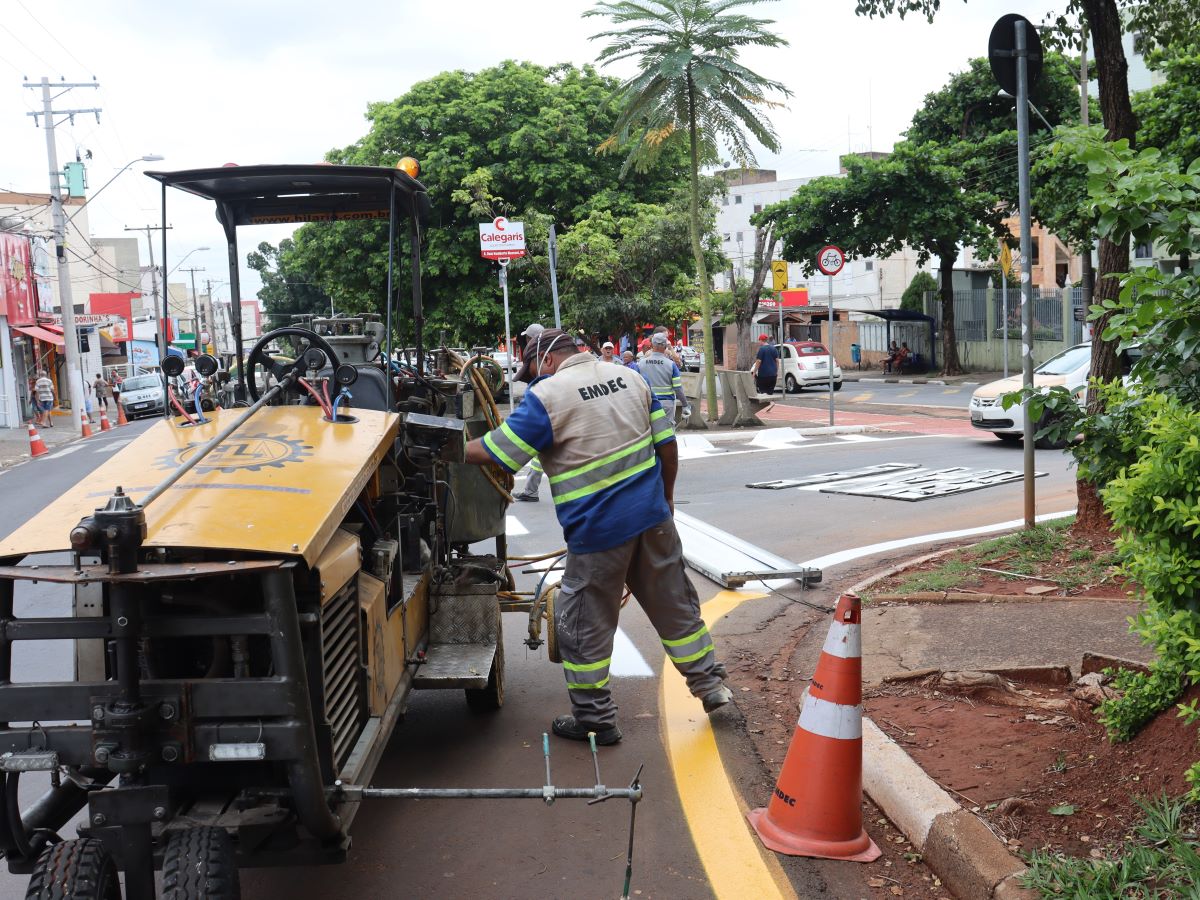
(39, 333)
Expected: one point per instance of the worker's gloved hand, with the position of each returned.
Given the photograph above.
(687, 412)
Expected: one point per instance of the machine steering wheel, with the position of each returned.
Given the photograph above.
(281, 369)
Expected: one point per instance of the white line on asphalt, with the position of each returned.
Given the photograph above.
(845, 556)
(513, 526)
(65, 451)
(709, 549)
(113, 447)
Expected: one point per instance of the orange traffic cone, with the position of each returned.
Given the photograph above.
(104, 426)
(121, 420)
(37, 447)
(816, 809)
(85, 426)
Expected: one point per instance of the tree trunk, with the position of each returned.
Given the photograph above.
(710, 374)
(1104, 25)
(950, 363)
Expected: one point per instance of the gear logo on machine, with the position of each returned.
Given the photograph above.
(251, 452)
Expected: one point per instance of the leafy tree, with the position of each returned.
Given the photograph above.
(690, 83)
(1161, 23)
(534, 131)
(913, 297)
(917, 196)
(619, 272)
(286, 289)
(747, 291)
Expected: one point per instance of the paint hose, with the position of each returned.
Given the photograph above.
(196, 402)
(320, 402)
(175, 403)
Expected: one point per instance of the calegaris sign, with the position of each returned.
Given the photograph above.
(501, 239)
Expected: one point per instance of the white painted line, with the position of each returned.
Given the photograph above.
(627, 660)
(857, 438)
(776, 437)
(113, 447)
(66, 451)
(844, 556)
(513, 526)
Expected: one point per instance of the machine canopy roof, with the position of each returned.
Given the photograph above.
(268, 195)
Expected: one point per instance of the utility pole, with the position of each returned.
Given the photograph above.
(161, 330)
(209, 317)
(195, 307)
(66, 301)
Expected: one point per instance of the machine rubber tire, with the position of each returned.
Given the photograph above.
(838, 385)
(552, 652)
(790, 385)
(78, 869)
(490, 698)
(200, 864)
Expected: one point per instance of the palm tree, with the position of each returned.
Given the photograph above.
(690, 82)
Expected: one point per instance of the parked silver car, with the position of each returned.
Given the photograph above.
(143, 395)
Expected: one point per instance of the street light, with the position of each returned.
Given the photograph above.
(149, 157)
(182, 261)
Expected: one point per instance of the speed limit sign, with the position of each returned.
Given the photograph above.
(830, 260)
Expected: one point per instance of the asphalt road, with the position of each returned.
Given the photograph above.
(522, 848)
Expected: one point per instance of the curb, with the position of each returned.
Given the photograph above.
(747, 433)
(956, 844)
(886, 380)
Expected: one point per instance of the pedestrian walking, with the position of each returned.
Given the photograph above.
(608, 447)
(43, 390)
(529, 494)
(102, 389)
(664, 377)
(765, 366)
(88, 401)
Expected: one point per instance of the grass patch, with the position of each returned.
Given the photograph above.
(1048, 550)
(1160, 860)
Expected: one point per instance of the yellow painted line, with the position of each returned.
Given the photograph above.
(734, 861)
(861, 398)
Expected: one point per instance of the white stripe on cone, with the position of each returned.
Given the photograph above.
(831, 720)
(843, 641)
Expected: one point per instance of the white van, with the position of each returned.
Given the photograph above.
(143, 395)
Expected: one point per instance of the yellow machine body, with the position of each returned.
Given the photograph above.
(281, 484)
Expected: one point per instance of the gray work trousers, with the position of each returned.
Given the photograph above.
(534, 480)
(589, 602)
(669, 408)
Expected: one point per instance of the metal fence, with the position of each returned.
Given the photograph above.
(982, 318)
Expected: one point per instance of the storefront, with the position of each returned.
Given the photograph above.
(18, 312)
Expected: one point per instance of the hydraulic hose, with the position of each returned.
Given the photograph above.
(196, 402)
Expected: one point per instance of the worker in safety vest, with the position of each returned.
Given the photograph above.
(666, 381)
(609, 451)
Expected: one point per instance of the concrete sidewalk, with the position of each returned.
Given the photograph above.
(14, 442)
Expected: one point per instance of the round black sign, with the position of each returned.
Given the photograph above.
(1002, 43)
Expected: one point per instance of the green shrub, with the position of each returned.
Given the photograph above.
(1154, 501)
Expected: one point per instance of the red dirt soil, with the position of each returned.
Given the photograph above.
(1012, 769)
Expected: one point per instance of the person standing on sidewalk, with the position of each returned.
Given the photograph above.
(629, 361)
(766, 366)
(102, 389)
(43, 390)
(608, 448)
(664, 377)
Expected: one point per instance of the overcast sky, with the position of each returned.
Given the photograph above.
(257, 81)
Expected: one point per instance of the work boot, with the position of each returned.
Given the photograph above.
(571, 728)
(716, 698)
(528, 498)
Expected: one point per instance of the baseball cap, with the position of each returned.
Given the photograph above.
(533, 330)
(659, 339)
(606, 345)
(541, 343)
(763, 337)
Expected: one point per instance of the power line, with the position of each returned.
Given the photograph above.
(28, 49)
(54, 38)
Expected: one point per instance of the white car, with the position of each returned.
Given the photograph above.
(1068, 369)
(143, 395)
(689, 358)
(806, 364)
